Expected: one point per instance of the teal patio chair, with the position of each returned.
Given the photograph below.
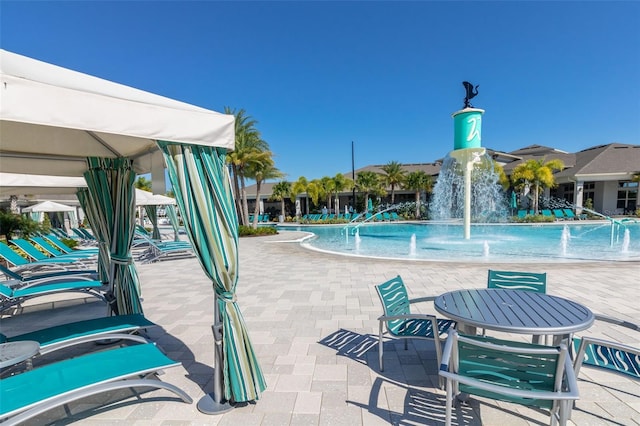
(400, 323)
(516, 372)
(530, 281)
(607, 354)
(30, 393)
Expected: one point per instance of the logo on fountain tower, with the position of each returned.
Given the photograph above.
(471, 93)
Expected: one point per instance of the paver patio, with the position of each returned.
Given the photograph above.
(312, 319)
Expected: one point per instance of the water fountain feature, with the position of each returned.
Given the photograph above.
(564, 240)
(468, 186)
(485, 249)
(626, 241)
(412, 245)
(357, 240)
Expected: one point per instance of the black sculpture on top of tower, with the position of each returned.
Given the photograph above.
(471, 93)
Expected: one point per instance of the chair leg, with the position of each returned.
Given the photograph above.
(380, 347)
(449, 403)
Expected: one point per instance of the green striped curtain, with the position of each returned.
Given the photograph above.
(99, 232)
(201, 182)
(175, 222)
(152, 214)
(111, 193)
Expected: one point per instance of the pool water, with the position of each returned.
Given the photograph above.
(557, 242)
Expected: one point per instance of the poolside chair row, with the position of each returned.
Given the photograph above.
(21, 265)
(162, 250)
(261, 218)
(393, 216)
(558, 214)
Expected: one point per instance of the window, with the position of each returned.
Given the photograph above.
(627, 195)
(589, 191)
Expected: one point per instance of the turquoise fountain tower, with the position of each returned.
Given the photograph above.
(467, 149)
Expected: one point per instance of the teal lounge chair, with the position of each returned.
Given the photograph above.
(75, 333)
(558, 214)
(35, 254)
(28, 394)
(14, 297)
(166, 250)
(394, 216)
(546, 213)
(522, 214)
(20, 264)
(60, 245)
(53, 251)
(569, 214)
(19, 279)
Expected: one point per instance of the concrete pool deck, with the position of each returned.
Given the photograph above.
(312, 318)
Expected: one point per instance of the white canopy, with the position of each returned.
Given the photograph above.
(52, 118)
(48, 206)
(146, 198)
(22, 184)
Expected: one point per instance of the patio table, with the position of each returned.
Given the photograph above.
(514, 311)
(12, 353)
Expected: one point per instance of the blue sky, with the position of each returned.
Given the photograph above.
(385, 75)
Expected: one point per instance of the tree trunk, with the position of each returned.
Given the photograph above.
(245, 207)
(417, 204)
(282, 208)
(256, 210)
(236, 192)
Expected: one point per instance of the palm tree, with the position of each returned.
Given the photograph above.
(260, 171)
(249, 148)
(326, 183)
(393, 176)
(298, 188)
(315, 191)
(143, 183)
(418, 181)
(369, 182)
(341, 183)
(536, 173)
(280, 191)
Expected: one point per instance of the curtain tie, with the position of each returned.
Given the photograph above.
(226, 296)
(121, 260)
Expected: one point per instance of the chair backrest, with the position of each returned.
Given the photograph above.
(8, 254)
(55, 240)
(511, 365)
(46, 245)
(607, 354)
(530, 281)
(393, 296)
(29, 249)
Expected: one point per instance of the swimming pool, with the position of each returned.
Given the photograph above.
(556, 242)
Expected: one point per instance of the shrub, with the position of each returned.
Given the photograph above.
(248, 231)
